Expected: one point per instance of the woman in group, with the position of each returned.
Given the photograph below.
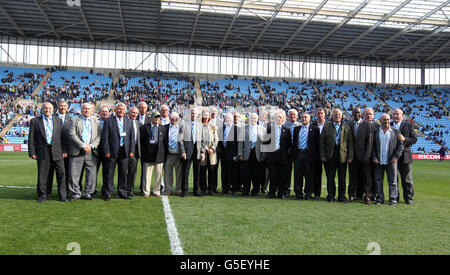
(208, 155)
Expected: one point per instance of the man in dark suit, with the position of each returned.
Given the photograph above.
(387, 149)
(228, 147)
(63, 114)
(133, 161)
(249, 151)
(277, 145)
(190, 152)
(46, 145)
(408, 136)
(85, 135)
(362, 148)
(118, 144)
(317, 163)
(102, 159)
(336, 150)
(153, 138)
(303, 151)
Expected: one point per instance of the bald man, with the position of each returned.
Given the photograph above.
(408, 136)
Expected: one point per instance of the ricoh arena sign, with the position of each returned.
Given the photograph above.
(429, 156)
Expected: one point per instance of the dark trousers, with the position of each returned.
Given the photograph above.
(405, 171)
(253, 174)
(331, 166)
(131, 175)
(208, 176)
(185, 167)
(228, 175)
(46, 170)
(317, 177)
(303, 169)
(67, 173)
(104, 162)
(357, 183)
(122, 163)
(278, 174)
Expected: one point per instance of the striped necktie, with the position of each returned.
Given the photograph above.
(48, 124)
(277, 137)
(194, 132)
(86, 130)
(253, 135)
(225, 136)
(304, 137)
(121, 131)
(173, 136)
(338, 132)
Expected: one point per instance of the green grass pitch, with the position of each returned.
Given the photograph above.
(222, 224)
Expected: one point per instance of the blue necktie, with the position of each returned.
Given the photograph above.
(277, 137)
(225, 137)
(121, 131)
(253, 136)
(194, 133)
(48, 130)
(101, 124)
(304, 137)
(86, 130)
(173, 137)
(154, 129)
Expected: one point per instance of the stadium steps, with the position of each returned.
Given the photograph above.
(10, 125)
(41, 85)
(112, 91)
(261, 92)
(198, 91)
(328, 110)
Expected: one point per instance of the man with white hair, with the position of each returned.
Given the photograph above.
(164, 111)
(249, 151)
(228, 147)
(143, 117)
(408, 136)
(291, 123)
(387, 149)
(173, 160)
(133, 115)
(279, 142)
(85, 134)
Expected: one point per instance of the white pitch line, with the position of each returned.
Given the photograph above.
(175, 243)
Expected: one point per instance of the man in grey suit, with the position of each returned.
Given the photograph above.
(190, 152)
(249, 151)
(173, 160)
(85, 134)
(387, 149)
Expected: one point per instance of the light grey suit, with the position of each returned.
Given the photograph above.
(78, 158)
(244, 147)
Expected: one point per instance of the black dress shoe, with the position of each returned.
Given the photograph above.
(244, 194)
(63, 200)
(299, 197)
(307, 198)
(409, 202)
(42, 199)
(107, 197)
(233, 193)
(270, 195)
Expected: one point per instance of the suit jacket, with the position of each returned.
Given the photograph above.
(187, 144)
(245, 146)
(75, 147)
(328, 141)
(111, 137)
(407, 130)
(37, 140)
(231, 150)
(179, 138)
(395, 146)
(363, 140)
(313, 140)
(285, 144)
(154, 148)
(137, 132)
(66, 129)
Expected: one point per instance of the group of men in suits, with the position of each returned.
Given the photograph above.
(73, 146)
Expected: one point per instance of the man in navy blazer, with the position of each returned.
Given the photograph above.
(118, 144)
(46, 145)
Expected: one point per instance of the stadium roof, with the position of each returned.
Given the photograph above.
(414, 30)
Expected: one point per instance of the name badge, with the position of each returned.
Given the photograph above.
(152, 141)
(123, 134)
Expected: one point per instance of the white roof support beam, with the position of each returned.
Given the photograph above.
(302, 26)
(238, 10)
(122, 21)
(340, 25)
(46, 18)
(274, 15)
(409, 27)
(12, 21)
(83, 16)
(369, 30)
